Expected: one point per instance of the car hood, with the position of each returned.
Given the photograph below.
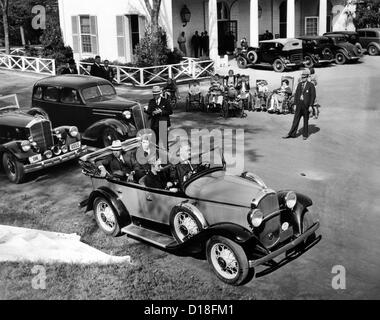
(114, 103)
(220, 187)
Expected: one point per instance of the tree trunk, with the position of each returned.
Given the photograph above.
(6, 32)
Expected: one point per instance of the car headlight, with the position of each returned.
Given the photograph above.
(48, 154)
(127, 114)
(25, 146)
(65, 149)
(291, 199)
(255, 218)
(73, 132)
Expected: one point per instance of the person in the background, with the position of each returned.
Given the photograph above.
(159, 109)
(243, 89)
(314, 80)
(195, 43)
(70, 68)
(172, 89)
(268, 35)
(206, 44)
(201, 44)
(244, 44)
(230, 79)
(108, 71)
(182, 43)
(96, 69)
(279, 96)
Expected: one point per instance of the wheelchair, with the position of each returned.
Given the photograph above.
(246, 96)
(287, 105)
(195, 101)
(232, 104)
(214, 98)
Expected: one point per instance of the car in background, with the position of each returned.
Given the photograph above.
(29, 144)
(91, 104)
(236, 221)
(281, 54)
(352, 37)
(344, 51)
(370, 40)
(317, 50)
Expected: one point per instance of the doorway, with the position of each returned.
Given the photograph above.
(283, 19)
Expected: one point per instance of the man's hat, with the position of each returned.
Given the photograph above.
(305, 73)
(116, 145)
(156, 90)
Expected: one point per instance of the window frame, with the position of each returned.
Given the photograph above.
(316, 19)
(58, 96)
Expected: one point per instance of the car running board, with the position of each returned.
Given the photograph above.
(155, 238)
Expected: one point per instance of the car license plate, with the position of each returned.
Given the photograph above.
(36, 158)
(75, 146)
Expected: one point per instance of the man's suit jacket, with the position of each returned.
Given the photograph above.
(308, 94)
(163, 116)
(98, 71)
(112, 164)
(240, 86)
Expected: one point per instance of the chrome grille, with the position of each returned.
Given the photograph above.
(269, 204)
(271, 229)
(296, 58)
(41, 133)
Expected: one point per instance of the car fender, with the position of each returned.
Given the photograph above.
(123, 214)
(344, 51)
(14, 149)
(195, 211)
(377, 45)
(38, 111)
(124, 129)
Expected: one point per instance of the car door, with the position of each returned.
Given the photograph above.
(49, 102)
(363, 39)
(72, 109)
(268, 52)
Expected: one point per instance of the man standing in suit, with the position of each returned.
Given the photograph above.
(159, 110)
(304, 99)
(97, 70)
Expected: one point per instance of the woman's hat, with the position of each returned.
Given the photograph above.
(116, 145)
(156, 90)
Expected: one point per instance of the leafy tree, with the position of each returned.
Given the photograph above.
(367, 14)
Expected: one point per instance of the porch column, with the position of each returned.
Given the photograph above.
(291, 20)
(213, 27)
(322, 17)
(167, 20)
(254, 23)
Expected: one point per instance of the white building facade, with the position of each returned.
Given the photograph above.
(112, 29)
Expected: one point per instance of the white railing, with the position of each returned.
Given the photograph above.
(27, 64)
(14, 51)
(189, 69)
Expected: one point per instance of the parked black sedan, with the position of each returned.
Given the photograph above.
(344, 50)
(91, 104)
(317, 50)
(29, 144)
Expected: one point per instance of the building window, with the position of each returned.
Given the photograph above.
(135, 31)
(311, 26)
(223, 11)
(85, 30)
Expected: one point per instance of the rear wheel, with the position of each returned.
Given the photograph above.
(340, 58)
(308, 61)
(373, 50)
(242, 62)
(106, 217)
(228, 261)
(278, 65)
(13, 168)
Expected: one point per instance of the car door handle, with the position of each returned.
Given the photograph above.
(149, 196)
(119, 191)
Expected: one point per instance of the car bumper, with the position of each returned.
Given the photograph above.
(324, 61)
(354, 58)
(293, 64)
(55, 160)
(285, 248)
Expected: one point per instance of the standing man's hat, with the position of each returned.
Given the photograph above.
(156, 90)
(305, 73)
(116, 145)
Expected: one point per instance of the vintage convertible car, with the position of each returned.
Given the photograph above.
(281, 54)
(344, 50)
(29, 143)
(236, 221)
(317, 50)
(91, 104)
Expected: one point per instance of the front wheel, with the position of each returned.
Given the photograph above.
(242, 62)
(373, 51)
(308, 61)
(228, 261)
(278, 65)
(13, 168)
(106, 217)
(340, 58)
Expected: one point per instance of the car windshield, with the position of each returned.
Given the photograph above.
(96, 92)
(9, 102)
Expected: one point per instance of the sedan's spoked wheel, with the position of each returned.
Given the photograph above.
(309, 63)
(185, 226)
(13, 168)
(229, 261)
(278, 66)
(106, 217)
(242, 62)
(109, 135)
(340, 58)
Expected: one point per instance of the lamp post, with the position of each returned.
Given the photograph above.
(185, 15)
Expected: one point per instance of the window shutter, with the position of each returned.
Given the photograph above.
(75, 33)
(94, 34)
(120, 33)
